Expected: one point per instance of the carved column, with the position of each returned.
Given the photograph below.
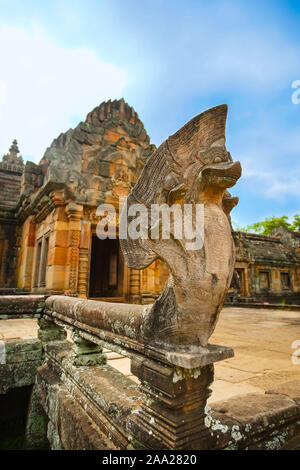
(25, 263)
(43, 261)
(246, 278)
(134, 286)
(83, 268)
(145, 291)
(173, 415)
(74, 214)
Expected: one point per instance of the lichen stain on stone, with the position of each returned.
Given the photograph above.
(215, 424)
(248, 427)
(236, 434)
(182, 374)
(277, 442)
(129, 331)
(117, 326)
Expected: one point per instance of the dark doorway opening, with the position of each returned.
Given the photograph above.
(241, 273)
(107, 269)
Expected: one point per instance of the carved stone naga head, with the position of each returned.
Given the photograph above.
(190, 167)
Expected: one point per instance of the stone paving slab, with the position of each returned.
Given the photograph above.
(272, 378)
(223, 372)
(262, 341)
(222, 390)
(24, 328)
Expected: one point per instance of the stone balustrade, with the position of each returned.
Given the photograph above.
(80, 402)
(21, 306)
(76, 389)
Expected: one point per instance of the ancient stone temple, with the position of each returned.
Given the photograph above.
(268, 266)
(48, 221)
(97, 162)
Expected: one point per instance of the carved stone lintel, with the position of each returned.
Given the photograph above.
(173, 416)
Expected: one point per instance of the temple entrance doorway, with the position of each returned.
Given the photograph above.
(107, 270)
(241, 273)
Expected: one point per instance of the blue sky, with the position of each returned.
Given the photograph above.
(170, 60)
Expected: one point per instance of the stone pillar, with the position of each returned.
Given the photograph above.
(247, 282)
(25, 256)
(86, 352)
(173, 415)
(43, 263)
(84, 251)
(147, 286)
(49, 331)
(74, 214)
(134, 286)
(58, 246)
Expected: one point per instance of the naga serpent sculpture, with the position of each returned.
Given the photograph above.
(192, 166)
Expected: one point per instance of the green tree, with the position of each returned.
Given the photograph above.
(295, 226)
(266, 226)
(237, 228)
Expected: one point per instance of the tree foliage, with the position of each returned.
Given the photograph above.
(266, 226)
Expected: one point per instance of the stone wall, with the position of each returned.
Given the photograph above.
(11, 170)
(268, 267)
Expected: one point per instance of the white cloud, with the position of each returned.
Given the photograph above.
(43, 86)
(274, 183)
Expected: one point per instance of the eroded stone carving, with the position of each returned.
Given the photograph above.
(192, 166)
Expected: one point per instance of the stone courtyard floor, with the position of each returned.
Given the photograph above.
(262, 340)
